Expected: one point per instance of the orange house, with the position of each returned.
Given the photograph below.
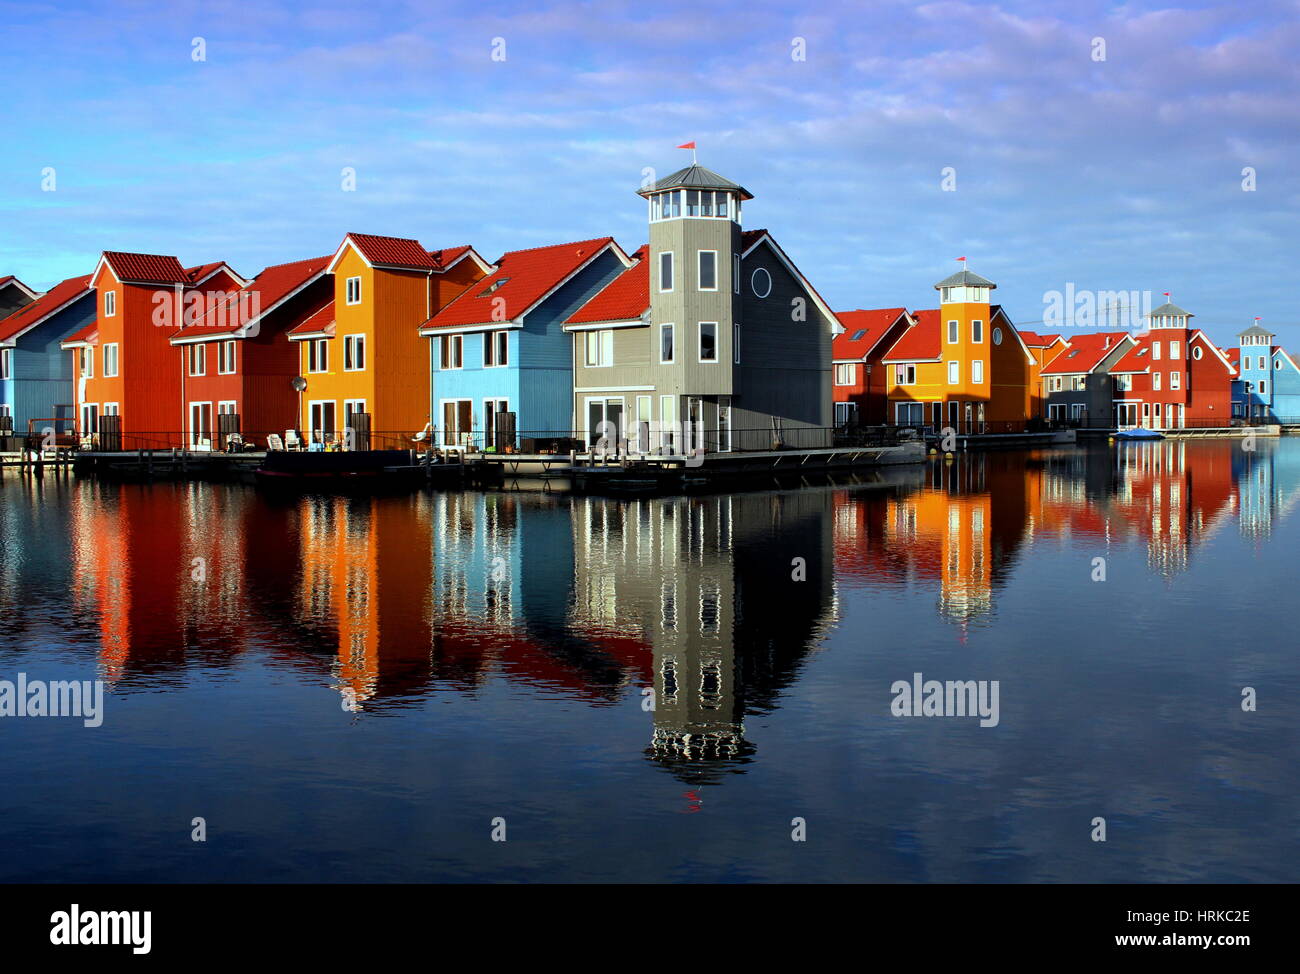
(963, 365)
(125, 366)
(1043, 348)
(365, 365)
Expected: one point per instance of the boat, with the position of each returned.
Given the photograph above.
(1139, 434)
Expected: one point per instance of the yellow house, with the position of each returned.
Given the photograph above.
(962, 365)
(365, 367)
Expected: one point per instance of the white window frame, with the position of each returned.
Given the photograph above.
(977, 372)
(88, 362)
(110, 304)
(954, 373)
(699, 344)
(735, 273)
(318, 348)
(672, 330)
(6, 363)
(954, 331)
(735, 342)
(845, 368)
(699, 270)
(977, 331)
(496, 349)
(1155, 381)
(598, 348)
(448, 362)
(196, 356)
(671, 267)
(1175, 380)
(1155, 351)
(352, 290)
(116, 360)
(351, 344)
(227, 349)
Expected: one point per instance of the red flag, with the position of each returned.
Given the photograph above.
(687, 145)
(1165, 293)
(961, 258)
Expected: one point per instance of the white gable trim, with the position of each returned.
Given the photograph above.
(795, 273)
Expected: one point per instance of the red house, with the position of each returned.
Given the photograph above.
(237, 361)
(125, 366)
(1174, 377)
(859, 388)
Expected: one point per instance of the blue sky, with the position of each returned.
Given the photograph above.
(1122, 174)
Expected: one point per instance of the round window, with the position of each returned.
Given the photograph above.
(761, 282)
(1197, 352)
(1277, 364)
(997, 336)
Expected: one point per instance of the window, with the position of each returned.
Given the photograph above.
(110, 360)
(1123, 383)
(976, 330)
(997, 336)
(496, 347)
(1277, 363)
(227, 407)
(977, 372)
(666, 271)
(110, 304)
(318, 355)
(1261, 363)
(354, 353)
(1155, 350)
(88, 362)
(953, 327)
(708, 341)
(1175, 380)
(1155, 380)
(494, 286)
(735, 273)
(198, 359)
(600, 348)
(735, 343)
(453, 347)
(1174, 349)
(844, 374)
(666, 347)
(945, 295)
(6, 363)
(1263, 387)
(354, 290)
(761, 282)
(954, 373)
(226, 358)
(904, 375)
(708, 270)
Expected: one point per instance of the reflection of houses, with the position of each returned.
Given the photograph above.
(708, 583)
(1268, 484)
(958, 534)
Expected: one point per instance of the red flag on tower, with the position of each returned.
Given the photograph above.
(687, 145)
(961, 258)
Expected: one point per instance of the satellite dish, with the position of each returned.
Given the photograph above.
(298, 383)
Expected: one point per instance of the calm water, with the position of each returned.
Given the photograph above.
(357, 687)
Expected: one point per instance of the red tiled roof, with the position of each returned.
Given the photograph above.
(320, 322)
(1233, 354)
(199, 272)
(271, 286)
(87, 334)
(873, 324)
(399, 252)
(922, 342)
(521, 278)
(1084, 352)
(1035, 340)
(146, 268)
(449, 255)
(624, 298)
(47, 303)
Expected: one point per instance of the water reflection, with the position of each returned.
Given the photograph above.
(713, 602)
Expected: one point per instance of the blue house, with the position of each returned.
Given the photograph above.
(36, 380)
(1269, 376)
(501, 363)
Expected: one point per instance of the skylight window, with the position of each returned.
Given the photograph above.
(857, 335)
(493, 286)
